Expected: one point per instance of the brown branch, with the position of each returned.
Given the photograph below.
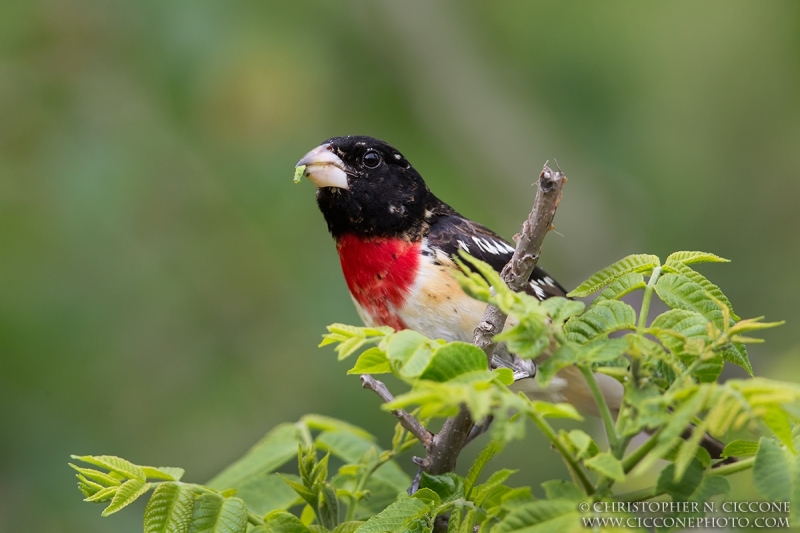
(518, 270)
(449, 442)
(406, 419)
(443, 449)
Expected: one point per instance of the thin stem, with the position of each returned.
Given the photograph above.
(648, 297)
(254, 519)
(638, 454)
(739, 466)
(640, 495)
(406, 419)
(602, 406)
(572, 462)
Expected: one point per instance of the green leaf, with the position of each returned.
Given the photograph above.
(681, 490)
(622, 286)
(372, 361)
(266, 493)
(554, 410)
(167, 473)
(772, 471)
(585, 446)
(680, 292)
(214, 514)
(409, 353)
(328, 423)
(558, 489)
(125, 495)
(599, 320)
(428, 496)
(169, 509)
(701, 280)
(328, 506)
(542, 516)
(98, 477)
(561, 309)
(606, 465)
(114, 464)
(571, 354)
(454, 359)
(633, 263)
(677, 327)
(348, 527)
(284, 522)
(102, 495)
(688, 258)
(273, 450)
(448, 486)
(740, 448)
(478, 465)
(397, 517)
(710, 486)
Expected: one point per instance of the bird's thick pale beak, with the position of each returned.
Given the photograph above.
(324, 168)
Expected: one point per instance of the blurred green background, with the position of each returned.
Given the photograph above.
(163, 284)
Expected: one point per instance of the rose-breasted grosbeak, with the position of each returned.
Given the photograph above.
(396, 241)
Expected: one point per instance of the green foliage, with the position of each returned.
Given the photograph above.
(668, 368)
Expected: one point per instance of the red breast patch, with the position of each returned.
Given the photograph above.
(379, 273)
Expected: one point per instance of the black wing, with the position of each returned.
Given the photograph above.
(452, 232)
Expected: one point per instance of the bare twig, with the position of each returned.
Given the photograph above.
(448, 443)
(406, 419)
(529, 246)
(443, 449)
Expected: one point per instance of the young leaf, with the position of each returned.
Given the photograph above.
(372, 361)
(558, 489)
(681, 490)
(477, 466)
(214, 514)
(328, 423)
(560, 516)
(277, 447)
(680, 292)
(328, 506)
(740, 448)
(599, 320)
(449, 486)
(688, 258)
(283, 522)
(454, 359)
(696, 277)
(598, 351)
(633, 263)
(267, 493)
(397, 517)
(622, 286)
(125, 495)
(606, 465)
(167, 473)
(98, 477)
(169, 509)
(114, 464)
(409, 353)
(772, 471)
(561, 309)
(347, 527)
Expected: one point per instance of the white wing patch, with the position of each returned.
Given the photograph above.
(537, 289)
(463, 245)
(492, 247)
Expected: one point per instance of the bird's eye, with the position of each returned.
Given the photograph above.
(372, 159)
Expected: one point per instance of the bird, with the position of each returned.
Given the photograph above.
(397, 242)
